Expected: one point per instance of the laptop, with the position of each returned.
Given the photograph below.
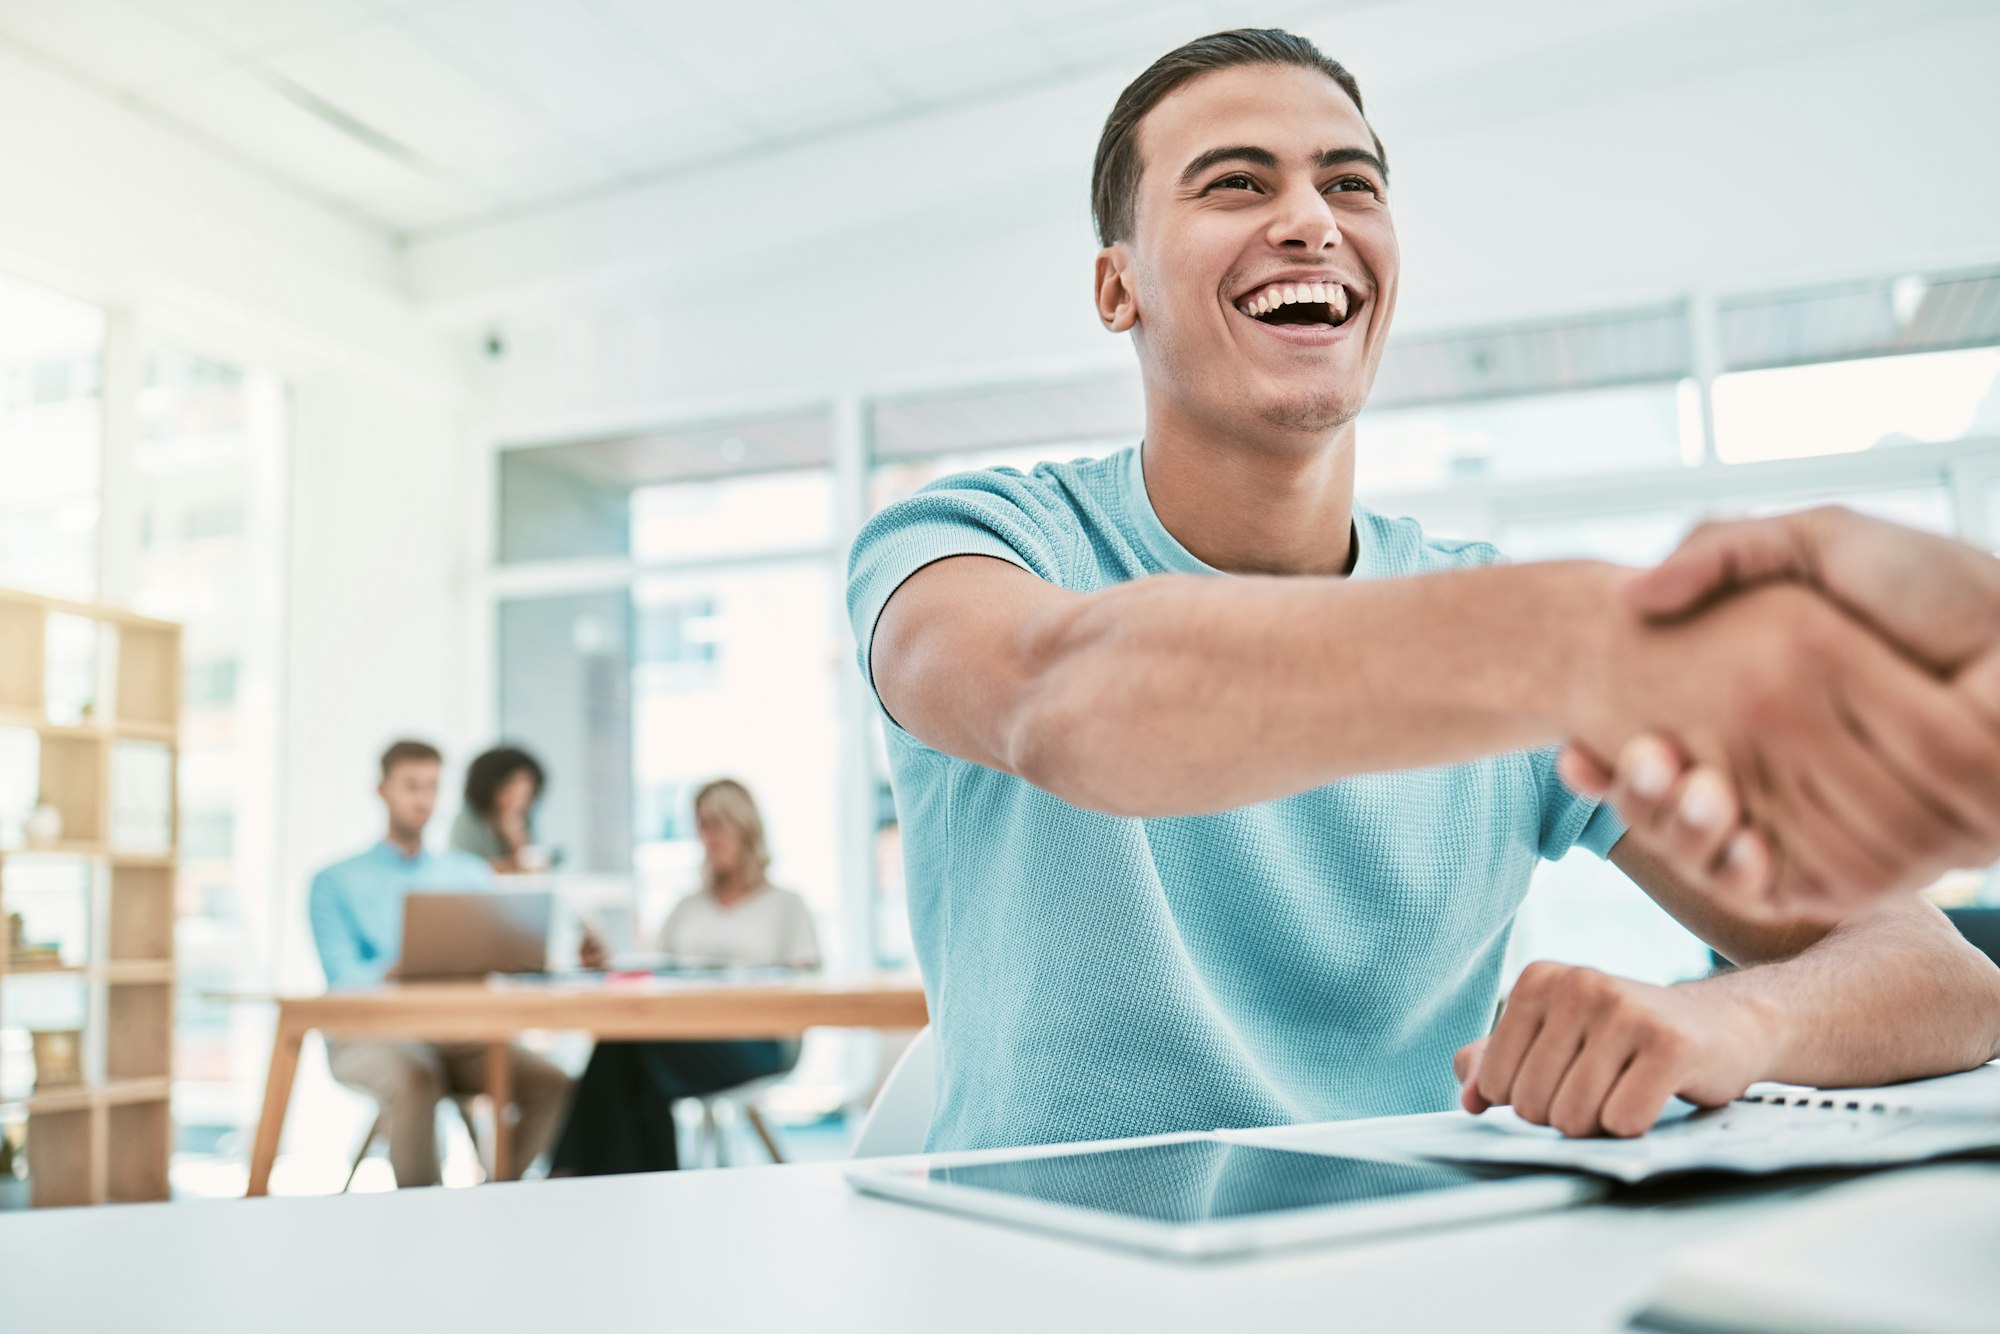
(471, 935)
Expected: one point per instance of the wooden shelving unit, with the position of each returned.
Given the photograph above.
(107, 1138)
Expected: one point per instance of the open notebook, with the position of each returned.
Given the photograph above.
(1772, 1128)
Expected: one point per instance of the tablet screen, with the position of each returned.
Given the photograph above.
(1198, 1181)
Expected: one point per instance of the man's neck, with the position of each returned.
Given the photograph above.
(407, 842)
(1251, 506)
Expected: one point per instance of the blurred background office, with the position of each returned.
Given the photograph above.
(481, 369)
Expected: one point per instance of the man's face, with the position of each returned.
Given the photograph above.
(1261, 271)
(410, 792)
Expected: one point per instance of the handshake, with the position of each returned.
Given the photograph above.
(1801, 713)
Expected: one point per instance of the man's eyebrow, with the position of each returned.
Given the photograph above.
(1264, 157)
(1335, 157)
(1256, 157)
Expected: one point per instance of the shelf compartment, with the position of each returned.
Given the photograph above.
(74, 782)
(141, 914)
(62, 1157)
(75, 664)
(55, 898)
(138, 1148)
(149, 675)
(138, 1031)
(21, 658)
(142, 797)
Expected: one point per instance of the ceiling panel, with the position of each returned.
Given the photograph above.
(1128, 34)
(799, 74)
(701, 134)
(119, 43)
(397, 87)
(238, 108)
(568, 59)
(1056, 13)
(938, 52)
(262, 25)
(520, 178)
(423, 202)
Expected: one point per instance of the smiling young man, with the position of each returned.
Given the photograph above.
(1220, 791)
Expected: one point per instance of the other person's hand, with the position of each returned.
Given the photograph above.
(1864, 771)
(1935, 599)
(1592, 1054)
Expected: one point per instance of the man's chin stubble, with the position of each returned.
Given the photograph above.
(1317, 414)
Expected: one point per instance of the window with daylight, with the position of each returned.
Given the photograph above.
(51, 440)
(210, 462)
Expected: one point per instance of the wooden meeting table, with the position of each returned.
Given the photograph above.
(499, 1010)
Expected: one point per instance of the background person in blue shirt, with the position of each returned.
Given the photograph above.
(356, 909)
(1216, 816)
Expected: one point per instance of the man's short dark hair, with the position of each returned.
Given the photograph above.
(485, 776)
(1114, 181)
(408, 752)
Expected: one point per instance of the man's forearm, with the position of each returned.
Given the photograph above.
(1892, 994)
(1179, 695)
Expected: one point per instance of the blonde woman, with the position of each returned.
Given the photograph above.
(622, 1118)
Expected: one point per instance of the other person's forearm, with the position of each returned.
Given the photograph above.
(1894, 993)
(1183, 694)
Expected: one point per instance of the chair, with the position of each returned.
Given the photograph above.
(900, 1118)
(743, 1098)
(464, 1104)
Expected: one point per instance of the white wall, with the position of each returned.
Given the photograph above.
(1706, 146)
(374, 643)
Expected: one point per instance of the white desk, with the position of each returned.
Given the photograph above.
(781, 1248)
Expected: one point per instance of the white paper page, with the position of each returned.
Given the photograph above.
(1789, 1128)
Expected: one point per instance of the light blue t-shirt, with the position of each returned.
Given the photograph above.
(356, 906)
(1312, 958)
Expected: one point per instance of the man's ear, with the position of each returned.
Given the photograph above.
(1117, 302)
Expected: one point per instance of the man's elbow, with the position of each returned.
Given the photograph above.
(1079, 726)
(1093, 748)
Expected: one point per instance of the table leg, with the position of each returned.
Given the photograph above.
(500, 1092)
(277, 1096)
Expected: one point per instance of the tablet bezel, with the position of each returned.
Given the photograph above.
(910, 1181)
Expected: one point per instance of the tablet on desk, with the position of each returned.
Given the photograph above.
(1200, 1196)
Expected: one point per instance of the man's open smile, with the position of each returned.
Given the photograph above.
(1309, 308)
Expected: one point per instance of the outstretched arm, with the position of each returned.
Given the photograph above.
(1178, 695)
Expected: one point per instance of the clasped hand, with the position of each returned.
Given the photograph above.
(1803, 713)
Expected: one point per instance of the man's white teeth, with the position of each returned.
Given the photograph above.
(1286, 294)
